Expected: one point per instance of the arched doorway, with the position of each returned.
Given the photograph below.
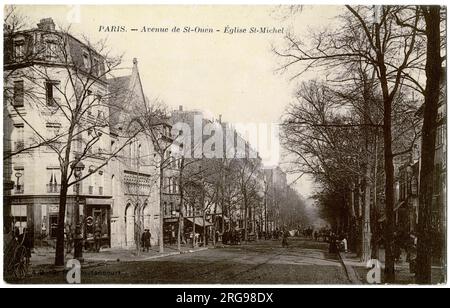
(146, 215)
(129, 225)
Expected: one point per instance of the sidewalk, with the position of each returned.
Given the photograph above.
(357, 270)
(42, 259)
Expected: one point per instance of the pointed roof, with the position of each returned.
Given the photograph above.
(126, 96)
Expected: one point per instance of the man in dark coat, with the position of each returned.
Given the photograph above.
(97, 237)
(145, 239)
(284, 241)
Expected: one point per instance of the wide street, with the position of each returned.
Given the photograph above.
(262, 262)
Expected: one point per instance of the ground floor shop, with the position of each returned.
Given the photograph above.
(40, 216)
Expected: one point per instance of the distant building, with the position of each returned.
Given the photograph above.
(276, 185)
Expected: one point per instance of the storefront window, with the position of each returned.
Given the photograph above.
(53, 222)
(19, 216)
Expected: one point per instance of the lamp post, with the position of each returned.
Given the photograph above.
(78, 238)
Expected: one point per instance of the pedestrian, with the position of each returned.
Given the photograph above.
(284, 242)
(397, 247)
(344, 243)
(146, 240)
(173, 236)
(97, 237)
(68, 238)
(43, 231)
(332, 247)
(217, 236)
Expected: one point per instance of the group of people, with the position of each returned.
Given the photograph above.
(93, 241)
(232, 237)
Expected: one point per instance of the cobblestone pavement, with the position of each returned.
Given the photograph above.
(262, 262)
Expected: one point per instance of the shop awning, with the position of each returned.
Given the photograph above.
(199, 221)
(98, 201)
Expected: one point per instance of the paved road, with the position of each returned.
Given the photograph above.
(263, 262)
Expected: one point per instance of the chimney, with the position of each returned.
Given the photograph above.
(135, 62)
(180, 108)
(46, 24)
(220, 118)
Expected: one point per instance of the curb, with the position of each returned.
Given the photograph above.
(349, 271)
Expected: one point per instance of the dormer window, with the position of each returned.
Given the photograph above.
(50, 52)
(95, 67)
(19, 50)
(86, 61)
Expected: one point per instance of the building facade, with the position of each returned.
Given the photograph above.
(39, 64)
(134, 172)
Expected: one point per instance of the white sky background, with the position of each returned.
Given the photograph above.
(232, 75)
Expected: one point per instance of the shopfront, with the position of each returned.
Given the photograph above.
(97, 215)
(171, 230)
(200, 224)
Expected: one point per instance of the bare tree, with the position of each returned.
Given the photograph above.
(433, 16)
(394, 53)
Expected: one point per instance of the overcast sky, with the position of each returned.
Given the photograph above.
(231, 75)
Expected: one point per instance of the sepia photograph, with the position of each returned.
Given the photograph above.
(205, 144)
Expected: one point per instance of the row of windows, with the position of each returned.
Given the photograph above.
(91, 63)
(52, 185)
(53, 130)
(51, 96)
(50, 93)
(50, 51)
(171, 185)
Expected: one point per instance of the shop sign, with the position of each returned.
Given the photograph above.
(53, 208)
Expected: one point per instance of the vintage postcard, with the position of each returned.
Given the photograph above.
(224, 144)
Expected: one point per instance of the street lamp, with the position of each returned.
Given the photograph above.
(78, 238)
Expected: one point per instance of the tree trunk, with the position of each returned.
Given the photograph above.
(389, 193)
(181, 211)
(214, 224)
(374, 210)
(245, 217)
(193, 228)
(432, 89)
(161, 208)
(366, 235)
(59, 253)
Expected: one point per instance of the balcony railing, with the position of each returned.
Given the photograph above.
(53, 188)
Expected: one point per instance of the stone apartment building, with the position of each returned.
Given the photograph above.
(235, 153)
(38, 66)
